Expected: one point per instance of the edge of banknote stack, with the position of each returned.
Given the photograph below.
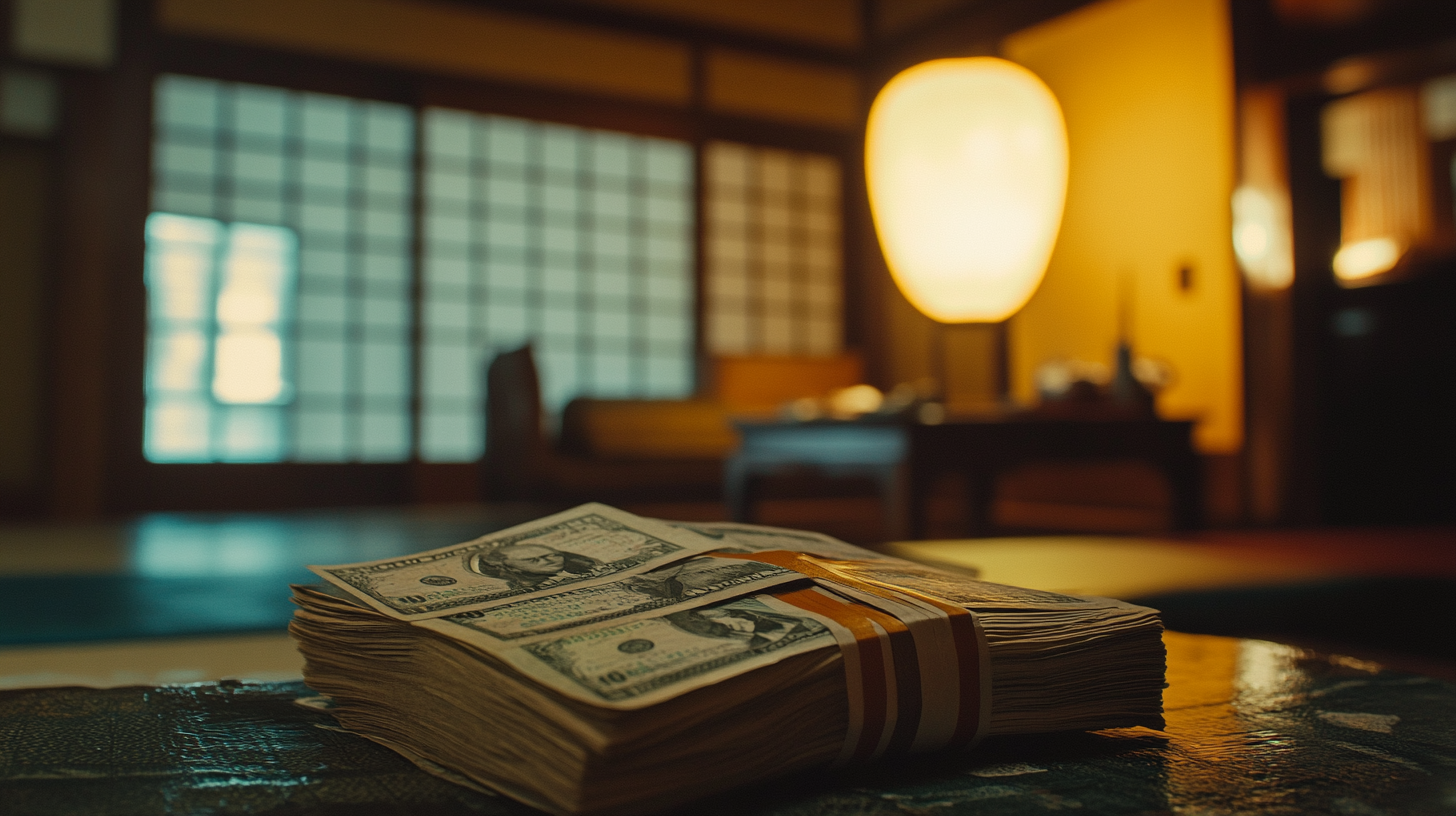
(595, 661)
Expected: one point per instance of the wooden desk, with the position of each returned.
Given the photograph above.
(904, 458)
(1252, 727)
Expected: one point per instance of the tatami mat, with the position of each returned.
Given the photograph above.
(260, 657)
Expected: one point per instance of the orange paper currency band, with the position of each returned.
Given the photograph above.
(906, 664)
(872, 658)
(869, 625)
(862, 621)
(968, 657)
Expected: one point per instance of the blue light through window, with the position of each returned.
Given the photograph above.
(280, 264)
(283, 294)
(220, 300)
(575, 239)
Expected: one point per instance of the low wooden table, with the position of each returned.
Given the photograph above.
(1252, 727)
(905, 457)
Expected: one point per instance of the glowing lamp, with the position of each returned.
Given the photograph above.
(1367, 258)
(1261, 238)
(966, 162)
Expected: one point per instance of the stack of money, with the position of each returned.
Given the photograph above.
(595, 661)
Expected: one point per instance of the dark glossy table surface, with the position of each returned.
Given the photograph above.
(1253, 727)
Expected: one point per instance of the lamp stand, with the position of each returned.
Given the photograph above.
(940, 362)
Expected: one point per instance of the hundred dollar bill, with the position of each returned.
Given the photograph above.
(587, 545)
(642, 662)
(680, 586)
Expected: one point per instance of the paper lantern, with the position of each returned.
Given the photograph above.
(966, 162)
(1367, 258)
(1375, 144)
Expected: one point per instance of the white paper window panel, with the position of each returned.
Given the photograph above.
(577, 240)
(337, 171)
(773, 233)
(728, 332)
(187, 417)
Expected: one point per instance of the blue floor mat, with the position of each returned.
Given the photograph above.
(77, 608)
(209, 574)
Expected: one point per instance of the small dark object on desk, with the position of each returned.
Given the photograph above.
(1252, 727)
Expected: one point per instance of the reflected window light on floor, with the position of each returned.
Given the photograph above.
(204, 545)
(178, 547)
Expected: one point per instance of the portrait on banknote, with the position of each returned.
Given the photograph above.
(667, 655)
(530, 566)
(755, 629)
(691, 578)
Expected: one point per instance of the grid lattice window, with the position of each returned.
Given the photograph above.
(332, 177)
(280, 268)
(219, 305)
(773, 278)
(577, 240)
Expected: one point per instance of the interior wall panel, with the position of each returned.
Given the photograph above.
(449, 39)
(1147, 90)
(784, 90)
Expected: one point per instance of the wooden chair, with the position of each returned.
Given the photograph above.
(521, 462)
(757, 386)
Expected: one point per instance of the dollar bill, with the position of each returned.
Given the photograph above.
(679, 586)
(586, 545)
(646, 661)
(963, 590)
(958, 586)
(752, 538)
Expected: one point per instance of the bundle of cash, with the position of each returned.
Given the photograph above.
(598, 662)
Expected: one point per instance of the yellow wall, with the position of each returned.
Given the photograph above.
(1147, 89)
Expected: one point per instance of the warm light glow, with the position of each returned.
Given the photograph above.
(1375, 143)
(1261, 239)
(249, 365)
(248, 357)
(855, 400)
(1364, 259)
(1147, 90)
(966, 162)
